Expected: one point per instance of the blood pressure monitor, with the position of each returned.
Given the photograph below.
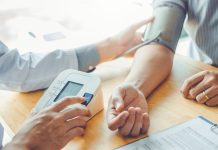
(74, 83)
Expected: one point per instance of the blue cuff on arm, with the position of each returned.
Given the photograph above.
(88, 57)
(168, 24)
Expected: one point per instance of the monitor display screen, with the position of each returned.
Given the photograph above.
(70, 89)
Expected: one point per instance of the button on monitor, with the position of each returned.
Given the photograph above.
(88, 97)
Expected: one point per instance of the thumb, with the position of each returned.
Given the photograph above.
(118, 104)
(66, 101)
(117, 99)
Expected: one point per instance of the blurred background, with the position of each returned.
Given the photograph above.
(45, 25)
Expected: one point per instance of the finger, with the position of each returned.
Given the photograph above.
(117, 99)
(142, 23)
(75, 111)
(76, 122)
(199, 88)
(67, 101)
(146, 123)
(190, 82)
(138, 122)
(213, 101)
(210, 92)
(117, 121)
(78, 131)
(126, 129)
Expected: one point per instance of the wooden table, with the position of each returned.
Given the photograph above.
(167, 107)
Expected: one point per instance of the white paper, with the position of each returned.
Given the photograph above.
(192, 135)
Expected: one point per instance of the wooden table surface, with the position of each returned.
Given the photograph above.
(167, 107)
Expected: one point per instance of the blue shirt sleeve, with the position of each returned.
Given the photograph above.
(88, 57)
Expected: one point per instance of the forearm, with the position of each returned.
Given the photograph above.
(97, 53)
(108, 49)
(152, 64)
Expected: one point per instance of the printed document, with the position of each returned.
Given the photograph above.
(197, 134)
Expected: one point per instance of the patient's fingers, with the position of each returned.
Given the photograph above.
(126, 129)
(190, 82)
(114, 122)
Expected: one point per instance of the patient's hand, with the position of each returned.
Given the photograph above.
(53, 127)
(127, 111)
(202, 87)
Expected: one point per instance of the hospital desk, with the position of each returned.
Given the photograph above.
(167, 107)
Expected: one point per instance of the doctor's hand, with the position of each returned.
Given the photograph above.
(127, 111)
(202, 87)
(53, 127)
(119, 43)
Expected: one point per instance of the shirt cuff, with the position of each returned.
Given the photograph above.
(88, 57)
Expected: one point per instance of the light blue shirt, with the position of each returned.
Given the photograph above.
(33, 71)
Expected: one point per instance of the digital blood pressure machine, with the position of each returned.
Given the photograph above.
(74, 83)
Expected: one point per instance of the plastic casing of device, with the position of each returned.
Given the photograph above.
(91, 84)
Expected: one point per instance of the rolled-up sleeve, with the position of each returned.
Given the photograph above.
(32, 71)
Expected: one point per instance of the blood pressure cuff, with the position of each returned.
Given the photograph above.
(167, 25)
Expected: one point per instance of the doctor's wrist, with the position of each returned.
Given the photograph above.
(109, 49)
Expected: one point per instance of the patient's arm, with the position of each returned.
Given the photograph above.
(127, 108)
(152, 64)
